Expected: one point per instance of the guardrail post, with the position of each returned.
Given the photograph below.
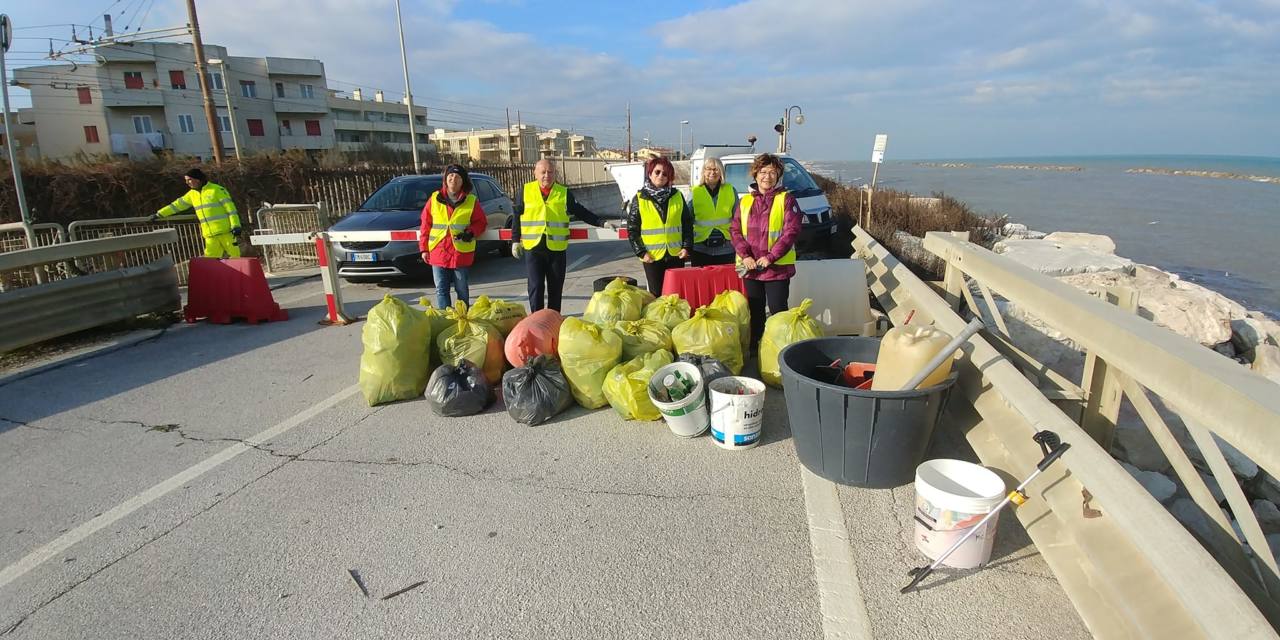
(332, 287)
(953, 278)
(1102, 383)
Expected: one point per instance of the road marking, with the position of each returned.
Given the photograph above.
(574, 265)
(844, 612)
(66, 540)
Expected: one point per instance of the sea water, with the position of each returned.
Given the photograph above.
(1219, 232)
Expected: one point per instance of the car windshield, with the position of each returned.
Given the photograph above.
(794, 178)
(408, 194)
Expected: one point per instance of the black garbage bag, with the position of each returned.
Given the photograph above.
(711, 368)
(536, 392)
(458, 390)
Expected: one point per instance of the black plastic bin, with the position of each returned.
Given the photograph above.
(600, 283)
(867, 438)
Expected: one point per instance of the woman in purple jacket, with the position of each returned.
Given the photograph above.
(765, 226)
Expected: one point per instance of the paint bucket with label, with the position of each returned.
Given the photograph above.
(737, 411)
(951, 497)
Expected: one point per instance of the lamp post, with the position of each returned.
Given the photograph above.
(231, 110)
(681, 150)
(783, 127)
(408, 93)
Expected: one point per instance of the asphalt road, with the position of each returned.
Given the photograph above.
(223, 481)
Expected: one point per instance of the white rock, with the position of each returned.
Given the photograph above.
(1268, 515)
(1094, 241)
(1249, 332)
(1266, 362)
(1157, 484)
(1013, 229)
(1056, 259)
(1135, 444)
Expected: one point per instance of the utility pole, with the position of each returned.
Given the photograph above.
(510, 156)
(6, 37)
(630, 156)
(210, 115)
(408, 93)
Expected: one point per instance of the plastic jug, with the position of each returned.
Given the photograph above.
(904, 351)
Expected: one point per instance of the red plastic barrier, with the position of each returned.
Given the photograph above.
(700, 285)
(223, 290)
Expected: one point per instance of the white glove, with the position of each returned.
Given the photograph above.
(614, 224)
(517, 251)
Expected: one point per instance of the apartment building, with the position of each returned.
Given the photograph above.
(358, 123)
(145, 97)
(24, 136)
(554, 143)
(517, 144)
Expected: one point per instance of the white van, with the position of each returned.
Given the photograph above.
(818, 225)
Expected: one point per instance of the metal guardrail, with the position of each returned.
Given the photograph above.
(1129, 567)
(189, 243)
(40, 312)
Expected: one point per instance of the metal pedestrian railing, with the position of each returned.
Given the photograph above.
(13, 237)
(272, 219)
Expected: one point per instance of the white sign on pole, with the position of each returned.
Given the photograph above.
(877, 151)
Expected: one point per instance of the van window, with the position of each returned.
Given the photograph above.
(794, 178)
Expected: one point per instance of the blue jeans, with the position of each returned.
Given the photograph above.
(446, 277)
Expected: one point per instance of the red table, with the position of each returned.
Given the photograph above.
(699, 285)
(222, 290)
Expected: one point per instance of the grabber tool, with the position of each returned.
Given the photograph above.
(1053, 448)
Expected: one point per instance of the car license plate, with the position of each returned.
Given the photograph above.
(364, 257)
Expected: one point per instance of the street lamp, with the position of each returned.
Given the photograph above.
(231, 113)
(783, 127)
(680, 151)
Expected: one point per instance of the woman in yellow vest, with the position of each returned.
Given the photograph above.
(451, 220)
(713, 203)
(659, 223)
(764, 229)
(219, 221)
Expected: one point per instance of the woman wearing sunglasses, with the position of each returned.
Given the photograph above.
(765, 225)
(659, 224)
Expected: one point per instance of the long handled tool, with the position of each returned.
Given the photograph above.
(1053, 448)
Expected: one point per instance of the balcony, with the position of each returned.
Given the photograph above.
(306, 142)
(296, 67)
(298, 104)
(132, 97)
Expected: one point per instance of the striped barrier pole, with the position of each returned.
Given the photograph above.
(332, 285)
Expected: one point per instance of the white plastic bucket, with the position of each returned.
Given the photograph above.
(951, 497)
(686, 417)
(736, 419)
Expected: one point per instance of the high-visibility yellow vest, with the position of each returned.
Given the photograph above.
(548, 218)
(777, 220)
(443, 224)
(661, 238)
(213, 208)
(709, 215)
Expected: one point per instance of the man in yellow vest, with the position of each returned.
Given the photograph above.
(219, 222)
(540, 233)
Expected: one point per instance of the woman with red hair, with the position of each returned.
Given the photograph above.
(659, 223)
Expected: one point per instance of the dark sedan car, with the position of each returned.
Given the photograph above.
(397, 206)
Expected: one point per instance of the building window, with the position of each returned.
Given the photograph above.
(177, 79)
(83, 94)
(224, 123)
(90, 134)
(248, 89)
(142, 124)
(214, 80)
(279, 89)
(308, 91)
(186, 124)
(255, 127)
(133, 79)
(313, 127)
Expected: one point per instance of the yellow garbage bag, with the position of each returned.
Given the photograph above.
(642, 336)
(618, 301)
(627, 385)
(587, 352)
(467, 339)
(710, 332)
(735, 304)
(780, 330)
(439, 322)
(670, 310)
(503, 315)
(394, 364)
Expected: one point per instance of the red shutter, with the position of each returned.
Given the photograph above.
(177, 79)
(84, 95)
(90, 134)
(132, 80)
(255, 128)
(313, 127)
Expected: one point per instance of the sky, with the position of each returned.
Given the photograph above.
(942, 79)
